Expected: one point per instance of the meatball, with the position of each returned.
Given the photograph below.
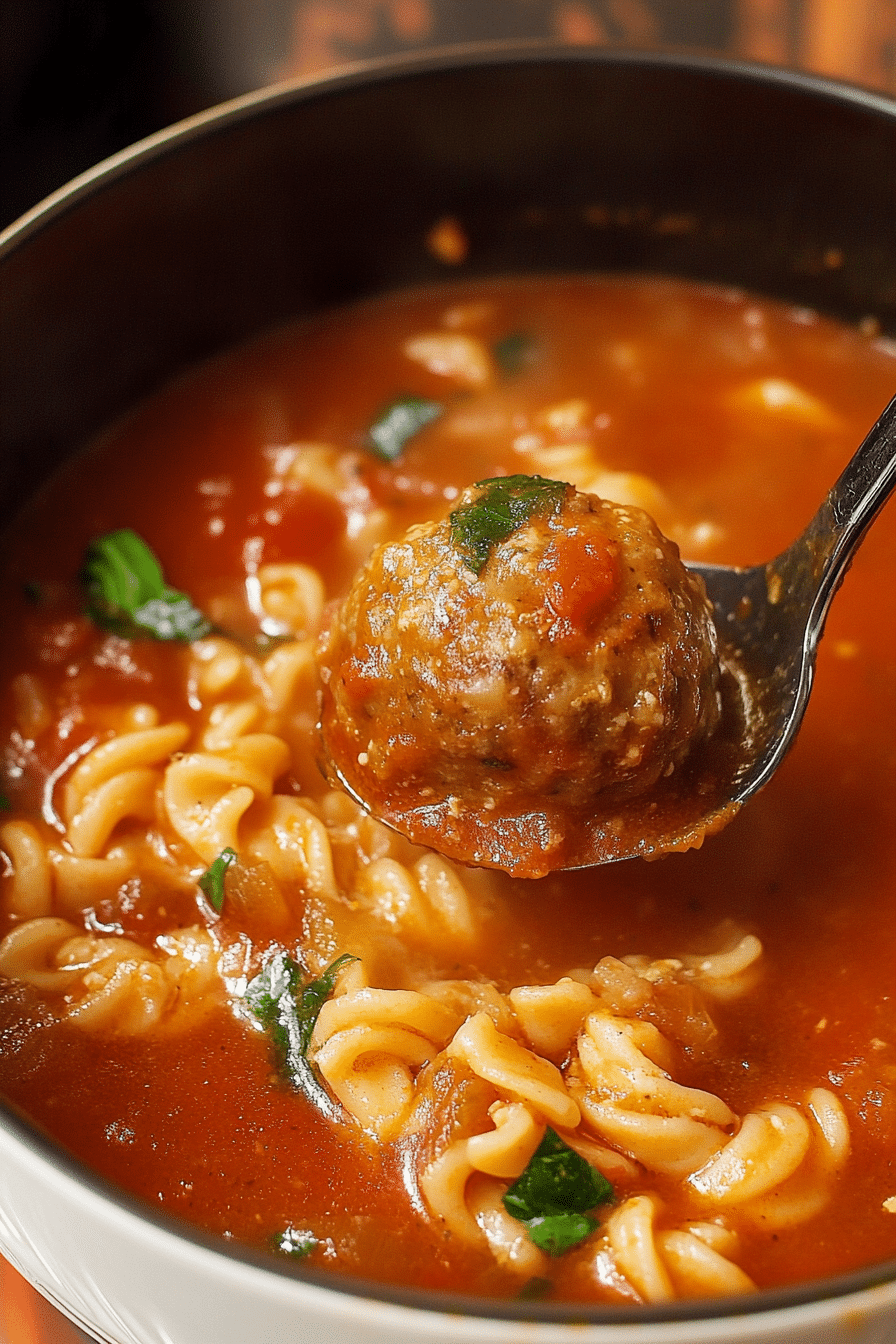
(504, 672)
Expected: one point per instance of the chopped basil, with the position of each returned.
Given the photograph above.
(513, 352)
(288, 1010)
(211, 883)
(504, 505)
(127, 592)
(398, 422)
(556, 1233)
(535, 1289)
(295, 1241)
(553, 1196)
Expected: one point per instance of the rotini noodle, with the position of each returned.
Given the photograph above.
(633, 1103)
(507, 1238)
(295, 843)
(514, 1070)
(690, 1261)
(551, 1016)
(29, 884)
(805, 1193)
(80, 883)
(112, 984)
(207, 793)
(293, 596)
(504, 1152)
(768, 1147)
(366, 1044)
(426, 901)
(125, 752)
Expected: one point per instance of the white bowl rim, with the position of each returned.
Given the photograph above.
(842, 1293)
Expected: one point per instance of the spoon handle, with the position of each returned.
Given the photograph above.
(813, 567)
(869, 477)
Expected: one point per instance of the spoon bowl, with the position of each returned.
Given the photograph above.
(769, 620)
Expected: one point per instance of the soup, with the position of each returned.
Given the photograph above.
(227, 988)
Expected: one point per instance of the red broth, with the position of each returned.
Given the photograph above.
(737, 414)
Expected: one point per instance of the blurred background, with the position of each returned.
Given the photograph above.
(80, 79)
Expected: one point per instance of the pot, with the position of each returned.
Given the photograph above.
(317, 193)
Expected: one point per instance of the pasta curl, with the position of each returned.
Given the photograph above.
(514, 1070)
(633, 1103)
(472, 1210)
(690, 1261)
(207, 793)
(116, 780)
(112, 984)
(367, 1043)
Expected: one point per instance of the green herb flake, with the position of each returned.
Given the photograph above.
(211, 883)
(535, 1289)
(398, 422)
(505, 504)
(556, 1233)
(288, 1010)
(295, 1241)
(514, 352)
(127, 592)
(5, 804)
(553, 1196)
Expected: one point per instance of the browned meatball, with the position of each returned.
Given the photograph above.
(536, 655)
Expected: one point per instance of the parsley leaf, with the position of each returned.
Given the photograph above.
(553, 1195)
(535, 1289)
(505, 504)
(556, 1233)
(514, 352)
(288, 1010)
(211, 883)
(127, 592)
(295, 1241)
(398, 422)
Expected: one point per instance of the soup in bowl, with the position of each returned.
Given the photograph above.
(348, 1083)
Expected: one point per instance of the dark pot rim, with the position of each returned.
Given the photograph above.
(247, 107)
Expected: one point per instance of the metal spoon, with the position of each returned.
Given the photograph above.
(773, 615)
(769, 619)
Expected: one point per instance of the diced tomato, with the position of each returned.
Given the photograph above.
(580, 566)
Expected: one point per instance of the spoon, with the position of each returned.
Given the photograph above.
(773, 615)
(769, 620)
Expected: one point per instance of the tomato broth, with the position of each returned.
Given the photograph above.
(726, 417)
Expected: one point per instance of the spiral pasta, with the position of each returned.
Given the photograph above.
(117, 779)
(777, 1169)
(662, 1265)
(476, 1215)
(30, 880)
(207, 793)
(633, 1103)
(593, 1054)
(366, 1043)
(113, 984)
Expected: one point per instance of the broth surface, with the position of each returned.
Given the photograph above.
(727, 418)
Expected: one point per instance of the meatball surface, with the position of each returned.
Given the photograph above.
(536, 657)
